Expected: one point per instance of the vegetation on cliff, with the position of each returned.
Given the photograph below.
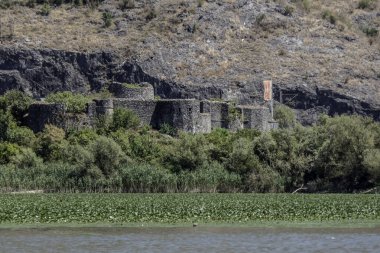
(340, 154)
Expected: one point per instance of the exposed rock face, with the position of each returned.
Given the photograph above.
(221, 49)
(40, 72)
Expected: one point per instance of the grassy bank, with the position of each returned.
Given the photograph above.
(185, 209)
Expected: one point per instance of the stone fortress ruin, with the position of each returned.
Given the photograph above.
(189, 115)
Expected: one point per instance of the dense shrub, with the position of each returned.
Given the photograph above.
(107, 19)
(144, 178)
(16, 102)
(83, 136)
(26, 159)
(108, 155)
(370, 31)
(329, 16)
(50, 143)
(73, 102)
(7, 151)
(188, 153)
(124, 119)
(22, 136)
(339, 154)
(340, 157)
(367, 4)
(285, 116)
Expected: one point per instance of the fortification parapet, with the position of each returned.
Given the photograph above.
(143, 91)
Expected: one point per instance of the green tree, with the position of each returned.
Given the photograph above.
(285, 116)
(341, 157)
(108, 155)
(124, 119)
(50, 143)
(17, 103)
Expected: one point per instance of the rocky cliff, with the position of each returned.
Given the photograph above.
(320, 56)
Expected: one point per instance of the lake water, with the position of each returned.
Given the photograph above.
(198, 239)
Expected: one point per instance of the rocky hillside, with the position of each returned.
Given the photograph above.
(322, 55)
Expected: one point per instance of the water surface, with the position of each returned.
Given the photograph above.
(196, 239)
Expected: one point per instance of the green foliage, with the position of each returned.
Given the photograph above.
(168, 129)
(233, 113)
(22, 136)
(329, 16)
(367, 4)
(185, 208)
(264, 179)
(242, 160)
(370, 31)
(285, 116)
(6, 121)
(49, 143)
(124, 119)
(372, 163)
(340, 158)
(188, 153)
(200, 3)
(306, 5)
(210, 178)
(26, 159)
(45, 10)
(288, 10)
(260, 18)
(107, 19)
(5, 4)
(7, 151)
(74, 103)
(143, 178)
(83, 136)
(108, 155)
(16, 102)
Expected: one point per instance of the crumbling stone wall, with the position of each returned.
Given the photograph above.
(189, 115)
(256, 117)
(203, 123)
(144, 109)
(41, 114)
(143, 91)
(179, 113)
(218, 111)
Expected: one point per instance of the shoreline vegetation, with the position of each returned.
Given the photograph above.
(336, 155)
(184, 210)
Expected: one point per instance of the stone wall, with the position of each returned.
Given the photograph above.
(203, 123)
(218, 111)
(144, 109)
(256, 117)
(187, 115)
(179, 113)
(41, 114)
(143, 91)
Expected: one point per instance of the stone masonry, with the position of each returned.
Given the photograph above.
(189, 115)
